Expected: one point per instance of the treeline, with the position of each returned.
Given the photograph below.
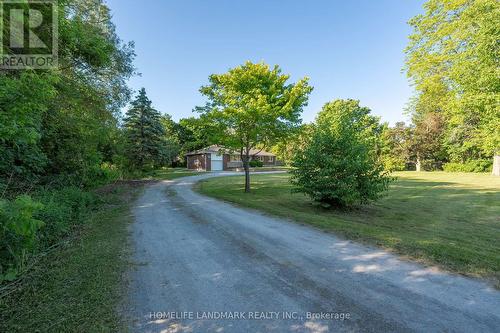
(453, 60)
(60, 133)
(153, 140)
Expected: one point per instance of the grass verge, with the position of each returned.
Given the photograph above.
(171, 173)
(449, 219)
(76, 286)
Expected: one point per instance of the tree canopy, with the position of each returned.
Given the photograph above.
(59, 121)
(453, 59)
(252, 106)
(59, 130)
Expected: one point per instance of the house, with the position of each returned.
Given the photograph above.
(217, 158)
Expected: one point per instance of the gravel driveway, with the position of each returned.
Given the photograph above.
(206, 266)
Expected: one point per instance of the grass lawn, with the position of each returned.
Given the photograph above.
(77, 286)
(449, 219)
(170, 173)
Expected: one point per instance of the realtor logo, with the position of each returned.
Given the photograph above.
(28, 34)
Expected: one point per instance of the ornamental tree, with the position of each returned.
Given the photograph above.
(252, 106)
(340, 166)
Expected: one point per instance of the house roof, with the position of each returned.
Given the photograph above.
(220, 149)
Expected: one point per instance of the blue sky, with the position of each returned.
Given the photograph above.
(348, 49)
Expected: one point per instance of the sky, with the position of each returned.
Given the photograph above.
(348, 49)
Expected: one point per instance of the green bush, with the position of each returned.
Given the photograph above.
(30, 224)
(102, 174)
(470, 166)
(62, 209)
(391, 163)
(256, 164)
(18, 234)
(339, 166)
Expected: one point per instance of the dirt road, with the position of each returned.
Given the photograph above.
(207, 266)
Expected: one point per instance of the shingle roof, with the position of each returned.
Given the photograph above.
(217, 148)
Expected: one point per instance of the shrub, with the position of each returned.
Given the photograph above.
(470, 166)
(256, 164)
(62, 209)
(339, 166)
(391, 163)
(431, 165)
(28, 224)
(101, 174)
(18, 234)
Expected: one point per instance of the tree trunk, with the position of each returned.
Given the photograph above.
(496, 164)
(246, 166)
(418, 165)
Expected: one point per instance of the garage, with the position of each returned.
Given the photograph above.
(216, 162)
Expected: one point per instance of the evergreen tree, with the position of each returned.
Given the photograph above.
(144, 133)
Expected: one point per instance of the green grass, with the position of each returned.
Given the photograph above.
(449, 219)
(171, 173)
(77, 286)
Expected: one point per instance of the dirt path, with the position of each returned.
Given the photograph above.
(206, 258)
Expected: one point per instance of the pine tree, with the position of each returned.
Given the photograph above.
(145, 133)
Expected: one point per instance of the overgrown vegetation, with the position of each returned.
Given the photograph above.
(76, 284)
(59, 133)
(339, 166)
(30, 224)
(60, 125)
(441, 218)
(469, 166)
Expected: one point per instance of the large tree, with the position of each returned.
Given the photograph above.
(194, 134)
(55, 122)
(396, 150)
(252, 106)
(171, 138)
(145, 133)
(427, 143)
(285, 149)
(453, 59)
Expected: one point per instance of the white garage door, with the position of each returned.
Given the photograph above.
(216, 161)
(216, 165)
